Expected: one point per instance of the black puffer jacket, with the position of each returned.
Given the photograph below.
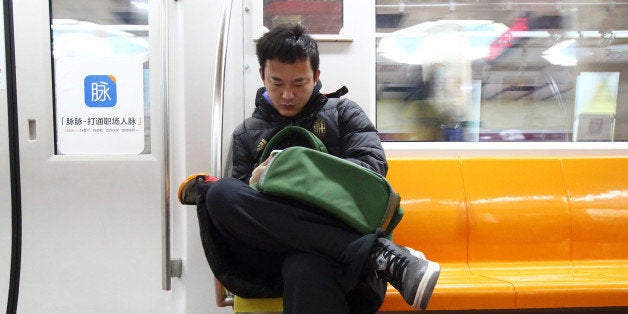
(347, 133)
(340, 123)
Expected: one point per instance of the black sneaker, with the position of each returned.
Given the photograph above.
(411, 274)
(188, 193)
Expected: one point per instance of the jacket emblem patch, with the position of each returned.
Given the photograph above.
(319, 128)
(261, 145)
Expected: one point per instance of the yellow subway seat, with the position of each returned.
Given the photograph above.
(512, 233)
(244, 305)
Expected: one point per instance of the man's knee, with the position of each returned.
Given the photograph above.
(217, 190)
(224, 191)
(221, 197)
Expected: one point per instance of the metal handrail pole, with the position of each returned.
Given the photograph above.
(219, 90)
(166, 266)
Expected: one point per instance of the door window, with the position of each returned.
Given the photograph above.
(101, 64)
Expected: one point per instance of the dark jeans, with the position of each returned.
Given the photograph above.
(318, 258)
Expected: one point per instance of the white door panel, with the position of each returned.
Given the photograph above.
(91, 240)
(193, 41)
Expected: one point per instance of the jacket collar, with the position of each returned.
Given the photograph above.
(264, 110)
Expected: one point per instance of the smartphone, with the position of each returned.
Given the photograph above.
(275, 152)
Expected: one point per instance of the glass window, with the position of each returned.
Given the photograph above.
(479, 70)
(100, 50)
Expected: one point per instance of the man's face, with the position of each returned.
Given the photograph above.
(289, 85)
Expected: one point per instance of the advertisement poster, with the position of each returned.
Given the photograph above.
(99, 105)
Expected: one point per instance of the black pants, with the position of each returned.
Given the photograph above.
(317, 257)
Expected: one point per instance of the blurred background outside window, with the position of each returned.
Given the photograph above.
(479, 70)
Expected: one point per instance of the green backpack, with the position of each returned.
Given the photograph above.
(362, 198)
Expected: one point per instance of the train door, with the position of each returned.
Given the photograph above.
(91, 158)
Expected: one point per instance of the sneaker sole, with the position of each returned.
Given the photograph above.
(182, 188)
(426, 286)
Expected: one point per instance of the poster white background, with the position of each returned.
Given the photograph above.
(117, 129)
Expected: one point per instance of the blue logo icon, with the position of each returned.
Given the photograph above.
(100, 91)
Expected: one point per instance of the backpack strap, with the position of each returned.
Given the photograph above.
(339, 93)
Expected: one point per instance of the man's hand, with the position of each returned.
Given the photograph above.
(257, 172)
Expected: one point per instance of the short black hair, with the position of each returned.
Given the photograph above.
(287, 43)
